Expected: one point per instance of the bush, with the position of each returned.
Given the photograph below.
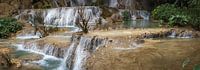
(126, 19)
(194, 11)
(171, 14)
(178, 20)
(126, 16)
(187, 14)
(165, 11)
(8, 26)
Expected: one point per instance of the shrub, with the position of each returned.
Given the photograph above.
(171, 14)
(165, 11)
(126, 18)
(8, 26)
(194, 11)
(178, 20)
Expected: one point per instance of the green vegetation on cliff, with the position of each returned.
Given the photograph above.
(8, 26)
(180, 13)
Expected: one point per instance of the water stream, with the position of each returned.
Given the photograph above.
(74, 56)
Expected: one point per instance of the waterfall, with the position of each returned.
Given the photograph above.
(48, 49)
(79, 51)
(182, 34)
(81, 54)
(113, 3)
(68, 60)
(62, 16)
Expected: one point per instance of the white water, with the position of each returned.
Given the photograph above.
(68, 58)
(181, 35)
(81, 54)
(113, 3)
(63, 16)
(41, 62)
(46, 52)
(29, 36)
(75, 56)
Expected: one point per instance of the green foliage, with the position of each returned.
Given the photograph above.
(126, 18)
(185, 12)
(194, 11)
(197, 67)
(194, 3)
(178, 20)
(165, 11)
(172, 14)
(8, 26)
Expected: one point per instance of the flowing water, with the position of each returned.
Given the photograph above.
(72, 56)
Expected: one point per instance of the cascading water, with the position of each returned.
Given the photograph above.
(48, 49)
(63, 16)
(75, 56)
(68, 60)
(79, 51)
(85, 47)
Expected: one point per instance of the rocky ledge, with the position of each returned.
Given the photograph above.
(134, 50)
(55, 46)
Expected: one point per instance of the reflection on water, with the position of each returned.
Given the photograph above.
(50, 64)
(140, 23)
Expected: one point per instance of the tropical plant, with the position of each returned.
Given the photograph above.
(178, 20)
(165, 11)
(8, 26)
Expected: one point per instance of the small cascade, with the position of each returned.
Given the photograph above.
(79, 51)
(48, 49)
(85, 47)
(60, 17)
(182, 34)
(29, 35)
(68, 60)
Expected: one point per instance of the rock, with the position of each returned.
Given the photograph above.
(30, 57)
(6, 61)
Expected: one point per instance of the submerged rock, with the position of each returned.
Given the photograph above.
(7, 61)
(30, 57)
